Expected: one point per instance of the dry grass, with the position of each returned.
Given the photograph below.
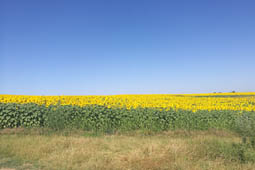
(170, 150)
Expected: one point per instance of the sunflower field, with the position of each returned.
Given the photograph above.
(127, 112)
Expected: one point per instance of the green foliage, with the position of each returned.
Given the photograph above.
(245, 125)
(244, 151)
(241, 152)
(102, 119)
(14, 115)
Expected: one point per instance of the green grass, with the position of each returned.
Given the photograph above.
(194, 150)
(11, 163)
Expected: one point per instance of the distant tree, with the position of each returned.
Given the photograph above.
(233, 91)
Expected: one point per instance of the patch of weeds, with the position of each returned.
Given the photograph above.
(6, 162)
(11, 162)
(245, 125)
(237, 152)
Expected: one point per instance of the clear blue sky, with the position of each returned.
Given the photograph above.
(82, 47)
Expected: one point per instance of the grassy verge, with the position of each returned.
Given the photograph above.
(35, 149)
